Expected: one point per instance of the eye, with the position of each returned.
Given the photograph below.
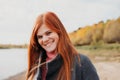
(48, 33)
(39, 37)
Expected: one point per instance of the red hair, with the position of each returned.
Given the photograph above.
(65, 48)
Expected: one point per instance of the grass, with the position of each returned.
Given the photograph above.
(104, 52)
(100, 46)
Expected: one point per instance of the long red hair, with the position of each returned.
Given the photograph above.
(65, 48)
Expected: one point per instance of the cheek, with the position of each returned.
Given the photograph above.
(57, 38)
(39, 41)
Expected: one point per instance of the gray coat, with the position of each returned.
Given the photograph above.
(83, 70)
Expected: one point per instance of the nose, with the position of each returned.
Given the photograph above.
(45, 39)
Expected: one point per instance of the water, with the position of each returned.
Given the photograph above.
(12, 61)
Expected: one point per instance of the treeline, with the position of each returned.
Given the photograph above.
(8, 46)
(102, 32)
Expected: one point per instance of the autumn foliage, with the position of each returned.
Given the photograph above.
(104, 32)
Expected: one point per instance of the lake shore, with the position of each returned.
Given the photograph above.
(106, 62)
(19, 76)
(106, 71)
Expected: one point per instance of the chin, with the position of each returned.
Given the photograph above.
(52, 50)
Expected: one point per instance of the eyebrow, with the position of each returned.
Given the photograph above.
(45, 32)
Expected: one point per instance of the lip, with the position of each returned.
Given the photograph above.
(49, 44)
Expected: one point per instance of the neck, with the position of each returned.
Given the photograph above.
(51, 55)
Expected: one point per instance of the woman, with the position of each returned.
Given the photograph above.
(51, 55)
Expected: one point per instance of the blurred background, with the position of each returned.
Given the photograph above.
(93, 27)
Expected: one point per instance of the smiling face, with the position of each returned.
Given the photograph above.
(47, 38)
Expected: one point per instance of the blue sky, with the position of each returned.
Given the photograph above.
(17, 17)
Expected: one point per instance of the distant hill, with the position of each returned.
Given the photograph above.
(8, 46)
(102, 32)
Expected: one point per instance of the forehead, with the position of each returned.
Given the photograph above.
(43, 29)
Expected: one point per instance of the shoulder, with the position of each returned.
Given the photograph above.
(82, 58)
(88, 69)
(85, 61)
